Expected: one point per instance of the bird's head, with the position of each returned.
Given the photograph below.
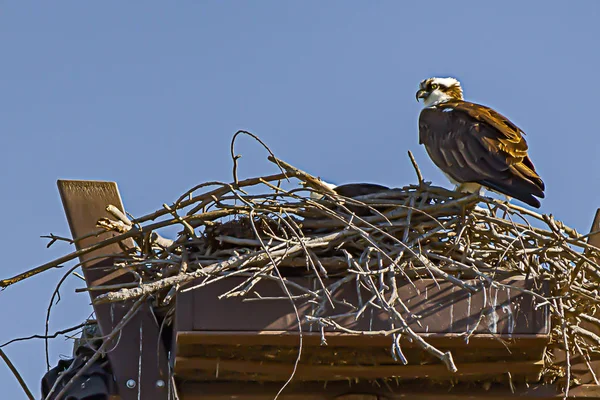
(434, 91)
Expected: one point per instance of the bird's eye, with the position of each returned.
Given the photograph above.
(434, 86)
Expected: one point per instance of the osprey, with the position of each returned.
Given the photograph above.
(353, 190)
(475, 146)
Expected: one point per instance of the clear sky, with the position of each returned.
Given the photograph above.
(148, 94)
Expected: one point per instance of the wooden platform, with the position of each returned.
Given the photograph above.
(219, 345)
(241, 339)
(390, 391)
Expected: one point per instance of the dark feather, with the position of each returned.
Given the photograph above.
(473, 143)
(353, 190)
(359, 189)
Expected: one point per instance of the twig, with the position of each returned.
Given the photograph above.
(118, 214)
(566, 345)
(209, 216)
(257, 230)
(17, 375)
(311, 180)
(55, 334)
(102, 349)
(53, 239)
(235, 157)
(287, 292)
(416, 167)
(54, 295)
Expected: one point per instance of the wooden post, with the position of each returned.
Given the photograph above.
(138, 358)
(594, 238)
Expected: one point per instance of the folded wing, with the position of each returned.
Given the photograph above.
(473, 143)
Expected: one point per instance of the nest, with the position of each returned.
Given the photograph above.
(292, 224)
(376, 239)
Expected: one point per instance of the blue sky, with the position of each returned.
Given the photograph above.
(149, 94)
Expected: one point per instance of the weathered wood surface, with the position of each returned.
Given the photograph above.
(447, 312)
(223, 335)
(273, 371)
(143, 362)
(390, 391)
(442, 307)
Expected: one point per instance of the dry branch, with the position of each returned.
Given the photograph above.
(399, 235)
(417, 230)
(17, 375)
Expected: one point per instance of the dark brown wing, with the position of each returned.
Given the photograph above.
(473, 143)
(359, 189)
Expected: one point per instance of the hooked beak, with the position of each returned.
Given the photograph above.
(422, 94)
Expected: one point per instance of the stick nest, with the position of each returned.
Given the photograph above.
(274, 227)
(258, 230)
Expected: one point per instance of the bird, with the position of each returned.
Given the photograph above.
(475, 146)
(352, 190)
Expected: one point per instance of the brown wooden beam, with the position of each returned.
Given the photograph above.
(310, 372)
(383, 391)
(594, 238)
(138, 359)
(288, 338)
(442, 307)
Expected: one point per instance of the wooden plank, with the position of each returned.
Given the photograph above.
(594, 239)
(370, 352)
(388, 391)
(286, 338)
(308, 372)
(132, 359)
(85, 203)
(441, 306)
(184, 317)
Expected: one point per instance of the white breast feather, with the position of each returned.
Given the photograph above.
(436, 97)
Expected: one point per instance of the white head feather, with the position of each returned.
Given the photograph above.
(445, 81)
(318, 196)
(437, 96)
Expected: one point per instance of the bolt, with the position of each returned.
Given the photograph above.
(160, 384)
(131, 384)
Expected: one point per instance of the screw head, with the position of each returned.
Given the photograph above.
(160, 383)
(131, 384)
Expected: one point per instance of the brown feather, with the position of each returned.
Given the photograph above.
(473, 143)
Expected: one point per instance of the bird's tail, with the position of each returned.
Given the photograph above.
(518, 187)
